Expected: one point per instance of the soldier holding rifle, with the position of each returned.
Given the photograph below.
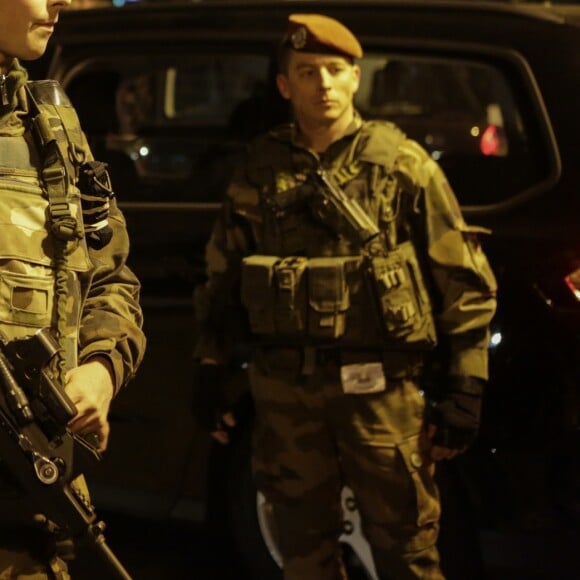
(69, 306)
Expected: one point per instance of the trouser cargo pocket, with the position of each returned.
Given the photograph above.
(422, 474)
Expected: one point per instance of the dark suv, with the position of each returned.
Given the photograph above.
(169, 93)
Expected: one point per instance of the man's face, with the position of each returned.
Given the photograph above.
(320, 87)
(26, 26)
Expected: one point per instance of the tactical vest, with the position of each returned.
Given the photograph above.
(43, 250)
(308, 283)
(46, 225)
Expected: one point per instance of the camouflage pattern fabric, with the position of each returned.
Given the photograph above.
(20, 565)
(463, 277)
(311, 437)
(464, 285)
(102, 314)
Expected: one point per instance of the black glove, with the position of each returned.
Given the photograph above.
(457, 413)
(209, 400)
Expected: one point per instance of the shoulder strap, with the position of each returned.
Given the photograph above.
(55, 175)
(56, 163)
(376, 146)
(51, 99)
(90, 176)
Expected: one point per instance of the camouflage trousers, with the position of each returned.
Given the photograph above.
(310, 439)
(28, 551)
(25, 564)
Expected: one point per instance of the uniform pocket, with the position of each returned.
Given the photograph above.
(26, 299)
(273, 292)
(258, 292)
(403, 298)
(477, 259)
(291, 296)
(422, 474)
(328, 297)
(24, 226)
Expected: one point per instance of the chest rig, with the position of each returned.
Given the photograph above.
(337, 263)
(47, 226)
(294, 219)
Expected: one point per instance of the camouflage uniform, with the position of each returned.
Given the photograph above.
(310, 437)
(93, 299)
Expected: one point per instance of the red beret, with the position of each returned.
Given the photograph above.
(318, 33)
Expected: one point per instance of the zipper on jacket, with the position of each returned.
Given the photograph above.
(3, 90)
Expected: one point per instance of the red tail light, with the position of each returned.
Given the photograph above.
(491, 142)
(573, 282)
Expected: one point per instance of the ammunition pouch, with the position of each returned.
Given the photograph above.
(337, 301)
(402, 297)
(328, 296)
(297, 297)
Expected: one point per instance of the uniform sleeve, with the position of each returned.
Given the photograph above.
(111, 319)
(218, 313)
(111, 316)
(463, 278)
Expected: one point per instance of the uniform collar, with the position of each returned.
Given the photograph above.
(11, 91)
(290, 132)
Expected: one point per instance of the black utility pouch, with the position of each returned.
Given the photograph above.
(291, 296)
(274, 294)
(258, 292)
(96, 191)
(328, 296)
(403, 299)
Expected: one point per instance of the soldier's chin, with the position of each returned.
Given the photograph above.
(34, 51)
(330, 116)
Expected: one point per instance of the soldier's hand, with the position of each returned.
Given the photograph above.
(90, 388)
(240, 412)
(224, 425)
(453, 421)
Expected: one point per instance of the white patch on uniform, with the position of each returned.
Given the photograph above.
(29, 219)
(361, 379)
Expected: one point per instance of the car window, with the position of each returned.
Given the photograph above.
(466, 116)
(208, 90)
(172, 128)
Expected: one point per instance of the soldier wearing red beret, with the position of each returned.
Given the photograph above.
(331, 229)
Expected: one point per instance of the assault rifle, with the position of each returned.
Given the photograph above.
(362, 229)
(394, 269)
(37, 450)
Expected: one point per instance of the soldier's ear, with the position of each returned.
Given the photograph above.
(356, 77)
(282, 84)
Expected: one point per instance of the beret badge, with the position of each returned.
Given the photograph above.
(298, 38)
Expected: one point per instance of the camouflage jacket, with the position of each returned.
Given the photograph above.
(398, 185)
(102, 313)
